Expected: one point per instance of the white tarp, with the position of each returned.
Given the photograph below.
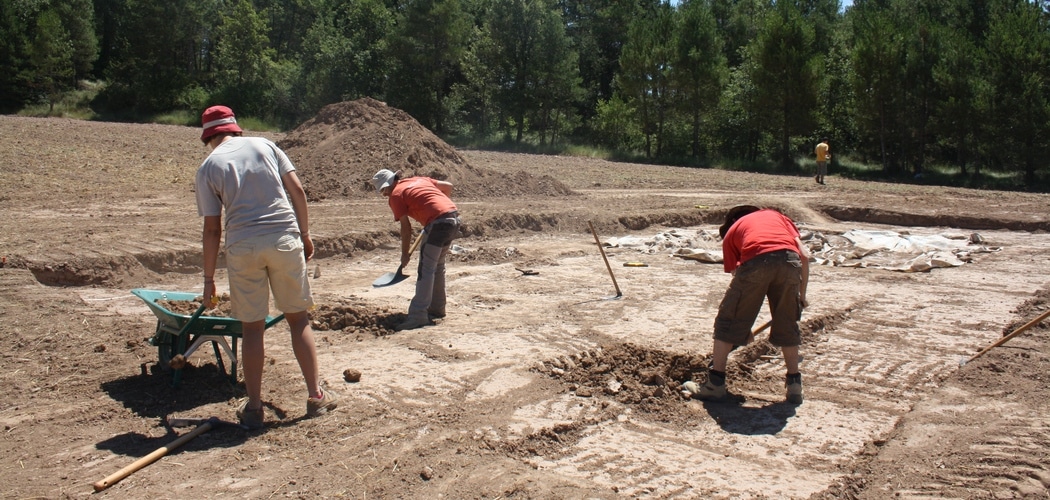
(854, 248)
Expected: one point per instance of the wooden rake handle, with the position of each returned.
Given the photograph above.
(606, 259)
(1013, 334)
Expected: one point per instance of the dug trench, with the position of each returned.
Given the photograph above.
(541, 386)
(111, 270)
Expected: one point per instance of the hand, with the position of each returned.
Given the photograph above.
(405, 258)
(308, 247)
(210, 299)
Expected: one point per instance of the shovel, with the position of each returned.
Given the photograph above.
(397, 276)
(202, 425)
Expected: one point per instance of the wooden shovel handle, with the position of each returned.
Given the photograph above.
(152, 457)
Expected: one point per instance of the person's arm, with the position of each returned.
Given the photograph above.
(302, 212)
(406, 240)
(210, 238)
(803, 253)
(444, 187)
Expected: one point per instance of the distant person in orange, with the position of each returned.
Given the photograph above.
(428, 202)
(823, 153)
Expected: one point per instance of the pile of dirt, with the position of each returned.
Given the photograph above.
(337, 151)
(355, 316)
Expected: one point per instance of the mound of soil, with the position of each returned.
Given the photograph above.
(337, 151)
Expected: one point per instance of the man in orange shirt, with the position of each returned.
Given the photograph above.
(764, 252)
(428, 202)
(823, 155)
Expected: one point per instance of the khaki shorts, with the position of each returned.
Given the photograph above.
(774, 275)
(271, 262)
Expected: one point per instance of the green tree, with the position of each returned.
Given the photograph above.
(878, 55)
(51, 57)
(78, 21)
(244, 60)
(598, 29)
(344, 53)
(739, 22)
(644, 81)
(426, 49)
(699, 67)
(14, 57)
(786, 75)
(519, 36)
(160, 51)
(1018, 69)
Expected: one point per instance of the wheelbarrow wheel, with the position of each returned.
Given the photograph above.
(165, 349)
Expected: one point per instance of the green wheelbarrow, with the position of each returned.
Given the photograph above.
(179, 335)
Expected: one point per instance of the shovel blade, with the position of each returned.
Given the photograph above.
(389, 279)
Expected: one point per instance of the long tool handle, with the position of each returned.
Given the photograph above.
(606, 259)
(412, 250)
(1015, 333)
(152, 457)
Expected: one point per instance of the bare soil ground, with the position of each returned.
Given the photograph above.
(536, 385)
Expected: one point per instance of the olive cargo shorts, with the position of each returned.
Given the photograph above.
(776, 275)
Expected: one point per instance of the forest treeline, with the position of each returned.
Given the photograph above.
(905, 84)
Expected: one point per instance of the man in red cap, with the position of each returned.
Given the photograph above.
(763, 250)
(267, 246)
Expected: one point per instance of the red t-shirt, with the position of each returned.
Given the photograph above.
(757, 233)
(420, 199)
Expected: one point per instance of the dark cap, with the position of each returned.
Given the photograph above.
(733, 215)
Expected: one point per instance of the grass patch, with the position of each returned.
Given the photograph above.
(75, 104)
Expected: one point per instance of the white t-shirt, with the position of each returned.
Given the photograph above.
(243, 176)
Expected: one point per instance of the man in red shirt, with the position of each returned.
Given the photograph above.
(427, 201)
(763, 250)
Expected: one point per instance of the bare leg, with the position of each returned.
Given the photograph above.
(252, 357)
(721, 355)
(791, 358)
(305, 349)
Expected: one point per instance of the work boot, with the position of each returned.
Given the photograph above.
(711, 392)
(708, 391)
(433, 314)
(252, 419)
(319, 406)
(794, 388)
(411, 323)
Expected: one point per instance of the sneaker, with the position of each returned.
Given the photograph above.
(794, 390)
(252, 419)
(707, 392)
(316, 407)
(413, 323)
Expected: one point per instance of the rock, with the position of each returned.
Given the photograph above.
(351, 375)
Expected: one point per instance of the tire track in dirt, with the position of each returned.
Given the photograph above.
(864, 371)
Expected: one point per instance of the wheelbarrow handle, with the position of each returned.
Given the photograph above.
(196, 314)
(185, 328)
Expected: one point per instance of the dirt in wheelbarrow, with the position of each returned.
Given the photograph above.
(559, 382)
(222, 308)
